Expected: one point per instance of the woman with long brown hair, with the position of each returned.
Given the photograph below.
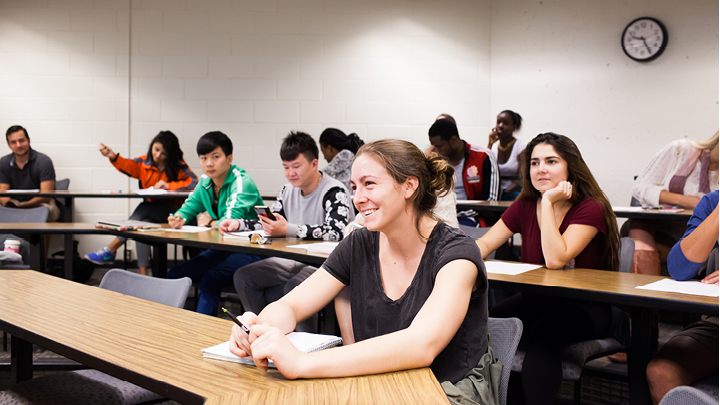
(566, 222)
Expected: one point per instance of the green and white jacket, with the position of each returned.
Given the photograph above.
(238, 195)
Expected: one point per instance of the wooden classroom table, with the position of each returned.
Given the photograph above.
(68, 196)
(654, 214)
(618, 289)
(158, 347)
(213, 240)
(53, 228)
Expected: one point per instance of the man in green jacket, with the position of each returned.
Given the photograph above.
(225, 191)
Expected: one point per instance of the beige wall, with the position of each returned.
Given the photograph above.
(560, 65)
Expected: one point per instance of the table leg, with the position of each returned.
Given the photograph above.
(159, 260)
(20, 360)
(642, 347)
(69, 253)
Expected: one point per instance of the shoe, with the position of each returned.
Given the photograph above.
(101, 256)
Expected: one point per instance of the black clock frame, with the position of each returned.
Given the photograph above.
(662, 46)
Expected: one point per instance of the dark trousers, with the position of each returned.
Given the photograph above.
(156, 212)
(213, 270)
(550, 325)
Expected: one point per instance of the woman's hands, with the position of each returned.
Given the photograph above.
(107, 152)
(161, 185)
(561, 192)
(713, 278)
(266, 343)
(492, 137)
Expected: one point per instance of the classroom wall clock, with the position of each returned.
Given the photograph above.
(644, 39)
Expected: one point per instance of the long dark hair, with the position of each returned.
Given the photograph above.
(338, 140)
(174, 160)
(584, 186)
(402, 160)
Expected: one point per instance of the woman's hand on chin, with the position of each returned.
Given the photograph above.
(561, 192)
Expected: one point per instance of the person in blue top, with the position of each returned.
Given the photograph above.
(693, 353)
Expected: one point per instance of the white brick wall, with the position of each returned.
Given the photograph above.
(81, 72)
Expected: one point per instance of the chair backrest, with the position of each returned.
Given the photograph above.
(712, 263)
(627, 250)
(477, 233)
(171, 292)
(684, 395)
(63, 184)
(505, 336)
(30, 215)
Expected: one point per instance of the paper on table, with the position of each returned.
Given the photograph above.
(320, 247)
(189, 229)
(511, 269)
(619, 208)
(17, 190)
(151, 191)
(244, 234)
(467, 201)
(683, 287)
(307, 342)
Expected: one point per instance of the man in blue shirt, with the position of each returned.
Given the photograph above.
(693, 353)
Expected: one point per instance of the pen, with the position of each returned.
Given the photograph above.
(234, 319)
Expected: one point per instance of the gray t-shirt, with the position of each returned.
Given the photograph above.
(38, 169)
(321, 215)
(355, 263)
(329, 204)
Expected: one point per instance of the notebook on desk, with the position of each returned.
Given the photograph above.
(307, 342)
(127, 225)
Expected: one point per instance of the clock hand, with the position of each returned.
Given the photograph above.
(646, 46)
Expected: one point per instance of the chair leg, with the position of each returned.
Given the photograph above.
(577, 391)
(5, 338)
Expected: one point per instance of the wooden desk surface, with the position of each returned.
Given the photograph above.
(50, 228)
(501, 206)
(96, 194)
(213, 240)
(605, 286)
(158, 347)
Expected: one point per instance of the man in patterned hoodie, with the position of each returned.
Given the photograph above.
(310, 206)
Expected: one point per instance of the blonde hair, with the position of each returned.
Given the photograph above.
(707, 144)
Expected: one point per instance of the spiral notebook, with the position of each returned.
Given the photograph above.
(307, 342)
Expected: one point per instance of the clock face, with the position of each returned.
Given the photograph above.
(644, 39)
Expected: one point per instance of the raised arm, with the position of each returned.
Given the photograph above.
(687, 257)
(417, 346)
(494, 238)
(558, 249)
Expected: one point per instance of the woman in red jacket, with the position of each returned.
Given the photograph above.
(161, 168)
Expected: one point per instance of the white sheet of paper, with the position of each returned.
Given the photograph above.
(512, 269)
(244, 234)
(150, 191)
(619, 208)
(189, 229)
(683, 287)
(320, 247)
(18, 190)
(467, 201)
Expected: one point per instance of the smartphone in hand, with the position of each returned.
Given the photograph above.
(264, 211)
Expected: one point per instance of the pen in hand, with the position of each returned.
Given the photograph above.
(234, 319)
